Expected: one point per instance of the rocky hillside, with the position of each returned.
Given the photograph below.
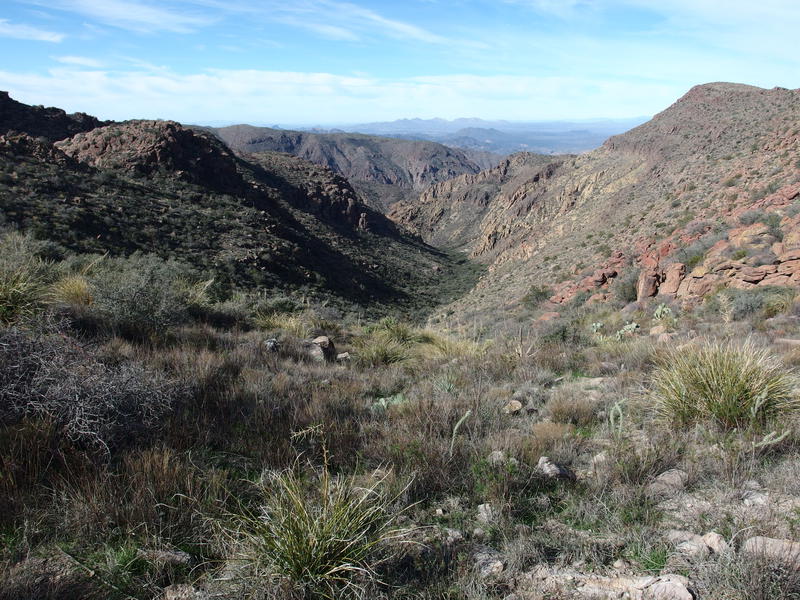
(449, 214)
(38, 121)
(384, 170)
(276, 223)
(712, 176)
(146, 148)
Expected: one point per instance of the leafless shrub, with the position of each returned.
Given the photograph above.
(46, 374)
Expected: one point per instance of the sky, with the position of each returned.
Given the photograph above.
(327, 62)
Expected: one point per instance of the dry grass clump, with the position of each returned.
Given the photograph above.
(729, 385)
(73, 290)
(555, 440)
(574, 405)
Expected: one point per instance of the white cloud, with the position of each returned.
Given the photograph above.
(133, 15)
(26, 32)
(332, 19)
(79, 61)
(294, 97)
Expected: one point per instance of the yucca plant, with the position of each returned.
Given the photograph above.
(323, 536)
(731, 385)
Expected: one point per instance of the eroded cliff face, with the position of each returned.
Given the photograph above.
(576, 224)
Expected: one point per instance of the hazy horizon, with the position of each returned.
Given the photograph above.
(333, 62)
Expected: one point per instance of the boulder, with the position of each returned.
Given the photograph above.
(488, 562)
(647, 286)
(716, 543)
(658, 330)
(272, 345)
(514, 407)
(668, 483)
(673, 275)
(486, 513)
(555, 471)
(322, 349)
(786, 552)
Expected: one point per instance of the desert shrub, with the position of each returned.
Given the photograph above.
(323, 536)
(750, 217)
(765, 301)
(624, 287)
(694, 253)
(564, 331)
(536, 295)
(46, 375)
(143, 295)
(732, 386)
(741, 576)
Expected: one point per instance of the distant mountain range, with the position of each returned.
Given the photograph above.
(501, 137)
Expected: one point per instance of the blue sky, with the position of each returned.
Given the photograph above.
(332, 61)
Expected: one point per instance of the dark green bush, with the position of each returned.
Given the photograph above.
(536, 295)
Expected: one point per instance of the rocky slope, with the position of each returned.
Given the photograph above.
(278, 222)
(38, 121)
(384, 170)
(661, 194)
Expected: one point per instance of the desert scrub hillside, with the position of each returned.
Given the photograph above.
(280, 224)
(156, 442)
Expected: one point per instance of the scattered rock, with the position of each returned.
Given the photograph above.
(488, 562)
(786, 552)
(754, 498)
(183, 591)
(514, 407)
(667, 587)
(496, 458)
(486, 514)
(556, 471)
(552, 582)
(165, 557)
(688, 544)
(668, 483)
(343, 357)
